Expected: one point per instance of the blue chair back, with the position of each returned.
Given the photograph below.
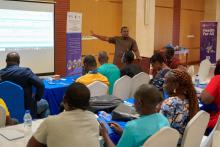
(13, 95)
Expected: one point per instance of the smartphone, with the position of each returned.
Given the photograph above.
(109, 129)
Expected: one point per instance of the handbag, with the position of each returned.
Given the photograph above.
(124, 113)
(104, 103)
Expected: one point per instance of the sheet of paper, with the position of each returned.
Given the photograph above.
(11, 134)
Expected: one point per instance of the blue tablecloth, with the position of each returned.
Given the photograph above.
(202, 86)
(114, 136)
(54, 92)
(206, 107)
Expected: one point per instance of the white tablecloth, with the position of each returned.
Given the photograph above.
(19, 142)
(23, 141)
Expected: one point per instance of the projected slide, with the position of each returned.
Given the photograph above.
(25, 29)
(31, 34)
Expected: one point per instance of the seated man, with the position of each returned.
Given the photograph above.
(74, 127)
(211, 95)
(91, 73)
(26, 79)
(9, 121)
(109, 70)
(137, 131)
(130, 69)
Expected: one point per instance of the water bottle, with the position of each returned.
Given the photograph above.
(197, 81)
(50, 80)
(27, 120)
(105, 115)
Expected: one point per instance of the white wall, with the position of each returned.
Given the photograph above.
(133, 17)
(145, 32)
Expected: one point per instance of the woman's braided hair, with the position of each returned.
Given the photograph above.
(185, 83)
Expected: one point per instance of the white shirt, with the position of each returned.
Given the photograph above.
(76, 128)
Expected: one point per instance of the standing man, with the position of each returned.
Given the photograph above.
(109, 70)
(26, 79)
(122, 43)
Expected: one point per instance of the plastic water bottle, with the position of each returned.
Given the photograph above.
(27, 120)
(105, 115)
(197, 81)
(50, 80)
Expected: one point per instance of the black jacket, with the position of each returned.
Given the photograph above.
(26, 79)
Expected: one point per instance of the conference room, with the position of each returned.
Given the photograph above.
(109, 73)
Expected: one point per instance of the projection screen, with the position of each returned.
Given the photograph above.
(28, 28)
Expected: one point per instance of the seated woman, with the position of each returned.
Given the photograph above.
(182, 103)
(74, 127)
(160, 69)
(137, 131)
(9, 121)
(211, 95)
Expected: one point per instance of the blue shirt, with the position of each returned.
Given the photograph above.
(110, 71)
(137, 131)
(159, 79)
(176, 111)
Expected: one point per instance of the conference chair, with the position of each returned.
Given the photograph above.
(137, 81)
(195, 130)
(97, 88)
(216, 138)
(13, 95)
(165, 137)
(191, 70)
(122, 87)
(2, 117)
(204, 69)
(207, 141)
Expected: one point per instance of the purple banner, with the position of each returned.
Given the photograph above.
(73, 54)
(208, 41)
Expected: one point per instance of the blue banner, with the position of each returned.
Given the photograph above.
(208, 41)
(74, 45)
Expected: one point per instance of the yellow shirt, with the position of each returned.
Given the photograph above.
(2, 103)
(89, 78)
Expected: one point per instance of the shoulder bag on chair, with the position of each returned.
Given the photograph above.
(124, 113)
(104, 103)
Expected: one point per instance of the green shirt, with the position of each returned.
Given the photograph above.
(136, 132)
(110, 71)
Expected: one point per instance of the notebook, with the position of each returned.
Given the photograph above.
(11, 134)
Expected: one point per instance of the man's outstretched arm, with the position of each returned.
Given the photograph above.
(103, 38)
